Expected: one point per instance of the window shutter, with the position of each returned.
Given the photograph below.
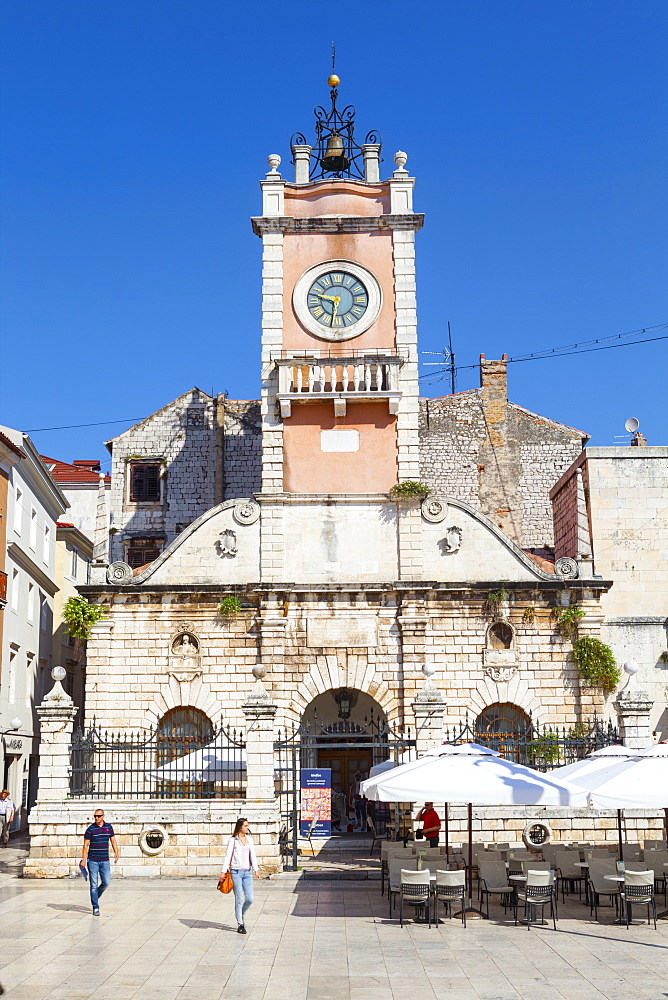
(152, 479)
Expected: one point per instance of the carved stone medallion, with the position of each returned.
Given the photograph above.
(452, 541)
(226, 543)
(119, 573)
(434, 510)
(246, 512)
(566, 568)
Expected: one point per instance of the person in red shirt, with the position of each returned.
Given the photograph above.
(431, 823)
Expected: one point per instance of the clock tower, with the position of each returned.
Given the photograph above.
(339, 327)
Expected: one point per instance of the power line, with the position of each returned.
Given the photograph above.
(568, 350)
(69, 427)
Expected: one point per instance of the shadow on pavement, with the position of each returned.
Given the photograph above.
(205, 925)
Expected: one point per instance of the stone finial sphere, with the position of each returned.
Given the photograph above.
(274, 161)
(59, 673)
(400, 159)
(428, 669)
(631, 668)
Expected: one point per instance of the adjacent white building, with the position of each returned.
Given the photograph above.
(34, 505)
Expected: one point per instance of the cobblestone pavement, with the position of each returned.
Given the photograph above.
(175, 939)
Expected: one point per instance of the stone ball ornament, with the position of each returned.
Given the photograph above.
(631, 668)
(400, 159)
(566, 568)
(428, 669)
(119, 573)
(58, 673)
(259, 671)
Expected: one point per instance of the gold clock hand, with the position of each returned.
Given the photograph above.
(330, 298)
(336, 300)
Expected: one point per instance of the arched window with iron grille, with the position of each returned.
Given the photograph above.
(182, 732)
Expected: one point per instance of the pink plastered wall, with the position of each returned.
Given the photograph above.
(372, 469)
(371, 250)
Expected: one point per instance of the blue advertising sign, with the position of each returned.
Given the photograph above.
(316, 801)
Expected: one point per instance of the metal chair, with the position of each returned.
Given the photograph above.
(638, 890)
(450, 888)
(385, 856)
(395, 868)
(375, 838)
(415, 888)
(538, 891)
(597, 885)
(493, 881)
(571, 877)
(658, 858)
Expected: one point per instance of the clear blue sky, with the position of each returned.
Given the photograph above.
(135, 133)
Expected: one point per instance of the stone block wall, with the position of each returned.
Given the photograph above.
(505, 469)
(197, 833)
(181, 437)
(242, 449)
(359, 645)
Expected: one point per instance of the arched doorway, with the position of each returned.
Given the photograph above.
(347, 732)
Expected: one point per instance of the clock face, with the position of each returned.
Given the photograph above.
(337, 299)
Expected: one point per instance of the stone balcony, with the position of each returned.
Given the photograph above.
(360, 377)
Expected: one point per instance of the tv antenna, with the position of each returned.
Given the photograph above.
(448, 358)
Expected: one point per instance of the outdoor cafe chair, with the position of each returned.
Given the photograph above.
(571, 877)
(396, 853)
(655, 845)
(493, 881)
(415, 888)
(658, 859)
(375, 836)
(450, 888)
(396, 866)
(638, 890)
(597, 885)
(538, 891)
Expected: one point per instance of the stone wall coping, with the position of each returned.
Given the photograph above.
(621, 453)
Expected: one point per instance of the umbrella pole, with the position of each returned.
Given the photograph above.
(665, 822)
(664, 913)
(471, 912)
(619, 834)
(447, 838)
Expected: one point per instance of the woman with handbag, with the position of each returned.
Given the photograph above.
(241, 864)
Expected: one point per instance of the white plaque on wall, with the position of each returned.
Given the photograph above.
(341, 632)
(340, 439)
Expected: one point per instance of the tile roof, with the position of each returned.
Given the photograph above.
(73, 472)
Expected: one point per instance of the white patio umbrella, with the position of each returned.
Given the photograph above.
(437, 751)
(387, 765)
(580, 771)
(475, 775)
(208, 764)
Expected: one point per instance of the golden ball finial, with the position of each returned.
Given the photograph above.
(333, 80)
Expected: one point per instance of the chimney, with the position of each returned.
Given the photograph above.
(639, 440)
(493, 380)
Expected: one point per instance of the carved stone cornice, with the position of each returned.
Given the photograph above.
(337, 224)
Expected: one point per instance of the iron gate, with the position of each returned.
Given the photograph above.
(303, 745)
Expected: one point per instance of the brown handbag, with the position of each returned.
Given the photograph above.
(225, 883)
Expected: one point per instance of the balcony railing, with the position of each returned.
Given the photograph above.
(354, 378)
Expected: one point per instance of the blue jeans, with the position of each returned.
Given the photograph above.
(243, 891)
(98, 871)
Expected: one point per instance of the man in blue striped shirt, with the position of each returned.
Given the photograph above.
(96, 852)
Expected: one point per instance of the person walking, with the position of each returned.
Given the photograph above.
(95, 851)
(431, 823)
(7, 811)
(241, 863)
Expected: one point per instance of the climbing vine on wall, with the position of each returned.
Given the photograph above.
(80, 616)
(596, 663)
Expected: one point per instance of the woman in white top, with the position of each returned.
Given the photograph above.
(241, 862)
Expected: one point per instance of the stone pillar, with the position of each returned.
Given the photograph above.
(633, 706)
(271, 625)
(429, 711)
(301, 155)
(260, 712)
(371, 154)
(409, 528)
(56, 719)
